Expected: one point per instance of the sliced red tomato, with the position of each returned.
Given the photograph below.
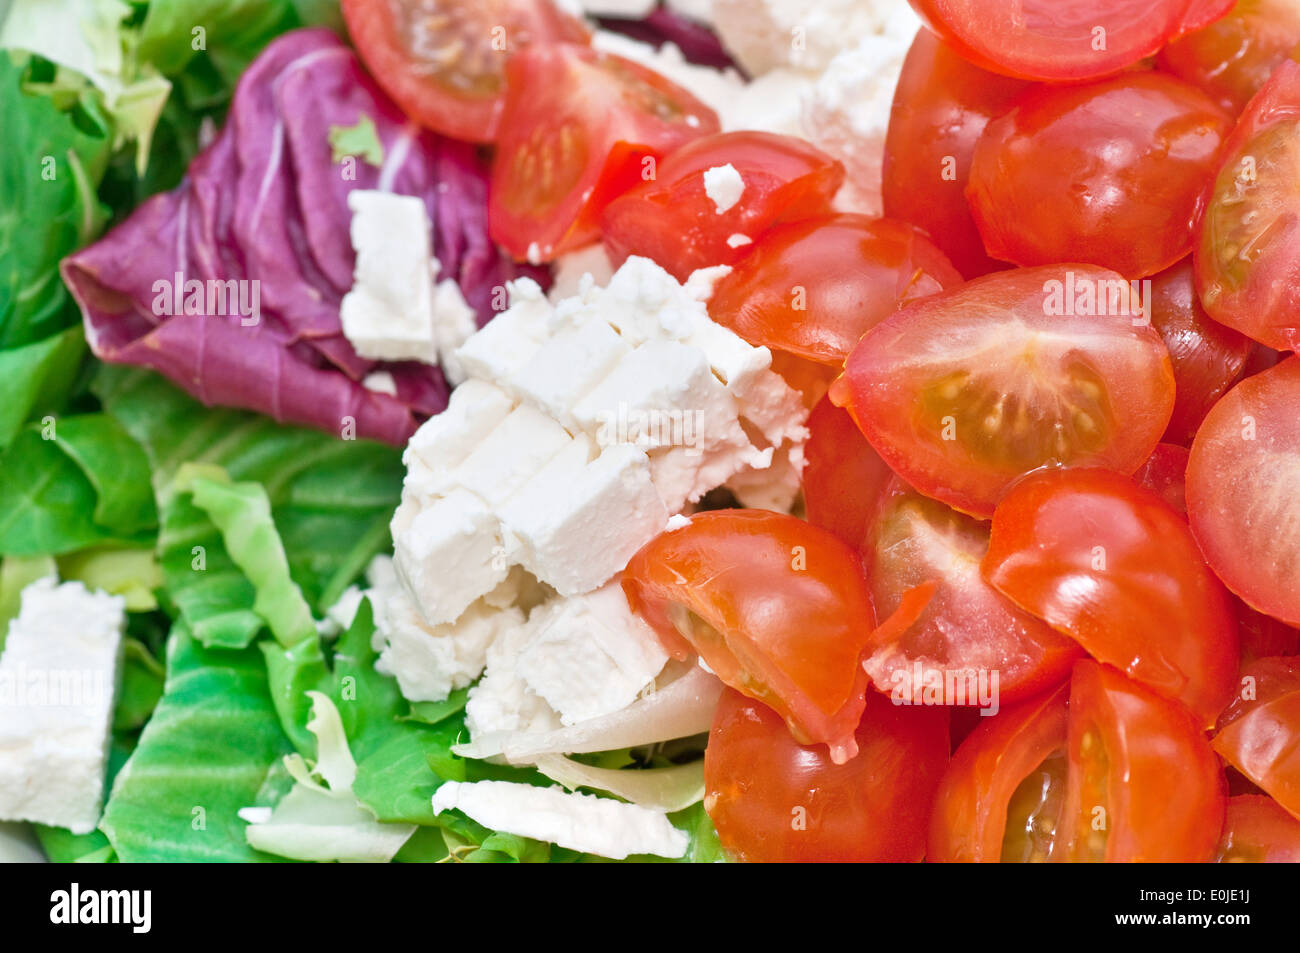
(1052, 40)
(1204, 12)
(965, 391)
(970, 640)
(1259, 734)
(1263, 636)
(577, 129)
(777, 607)
(1143, 783)
(671, 219)
(1108, 173)
(1001, 797)
(809, 378)
(1248, 246)
(444, 61)
(1258, 831)
(813, 288)
(1233, 58)
(941, 105)
(843, 478)
(1165, 475)
(1243, 490)
(775, 801)
(1115, 568)
(1208, 358)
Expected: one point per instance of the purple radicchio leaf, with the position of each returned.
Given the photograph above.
(261, 223)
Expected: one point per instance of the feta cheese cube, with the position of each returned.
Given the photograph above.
(738, 240)
(449, 554)
(453, 323)
(508, 341)
(502, 701)
(388, 314)
(381, 382)
(575, 532)
(576, 821)
(724, 186)
(572, 267)
(445, 440)
(590, 655)
(58, 678)
(509, 455)
(567, 367)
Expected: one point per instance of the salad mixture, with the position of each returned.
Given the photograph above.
(701, 430)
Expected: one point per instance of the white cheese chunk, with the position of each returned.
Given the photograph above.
(381, 382)
(508, 455)
(589, 655)
(58, 678)
(572, 267)
(622, 9)
(772, 102)
(738, 240)
(453, 323)
(713, 87)
(510, 339)
(567, 367)
(724, 186)
(502, 701)
(582, 822)
(444, 441)
(388, 314)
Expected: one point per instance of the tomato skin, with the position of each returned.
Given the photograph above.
(671, 220)
(970, 809)
(815, 287)
(1116, 568)
(1257, 831)
(1165, 475)
(1108, 173)
(968, 629)
(383, 40)
(843, 478)
(1060, 45)
(1204, 12)
(1144, 760)
(1246, 257)
(875, 808)
(575, 128)
(941, 105)
(1241, 490)
(1233, 58)
(785, 608)
(1263, 636)
(936, 415)
(1207, 357)
(1260, 735)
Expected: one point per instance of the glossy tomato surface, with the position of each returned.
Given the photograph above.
(1259, 734)
(1248, 247)
(843, 478)
(444, 61)
(671, 219)
(1144, 784)
(1055, 39)
(1012, 761)
(813, 288)
(1165, 475)
(1232, 58)
(1208, 358)
(1243, 490)
(966, 391)
(777, 607)
(941, 105)
(1115, 568)
(577, 128)
(774, 800)
(1258, 831)
(1108, 172)
(970, 639)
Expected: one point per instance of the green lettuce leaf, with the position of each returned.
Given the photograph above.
(203, 755)
(16, 572)
(130, 572)
(35, 378)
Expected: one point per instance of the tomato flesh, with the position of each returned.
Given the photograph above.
(1115, 568)
(971, 388)
(815, 287)
(444, 61)
(1259, 734)
(1258, 831)
(1108, 173)
(1165, 475)
(941, 105)
(576, 131)
(775, 801)
(672, 220)
(843, 478)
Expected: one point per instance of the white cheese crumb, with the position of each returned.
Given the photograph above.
(677, 522)
(724, 186)
(381, 382)
(737, 240)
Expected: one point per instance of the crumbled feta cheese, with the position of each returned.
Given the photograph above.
(622, 9)
(534, 254)
(589, 655)
(700, 11)
(676, 522)
(502, 701)
(381, 382)
(388, 314)
(576, 821)
(724, 186)
(58, 677)
(737, 240)
(772, 103)
(453, 322)
(715, 88)
(571, 268)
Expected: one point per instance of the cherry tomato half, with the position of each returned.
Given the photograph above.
(1115, 568)
(1258, 831)
(1108, 173)
(671, 219)
(1259, 734)
(965, 391)
(773, 800)
(843, 478)
(813, 288)
(1165, 475)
